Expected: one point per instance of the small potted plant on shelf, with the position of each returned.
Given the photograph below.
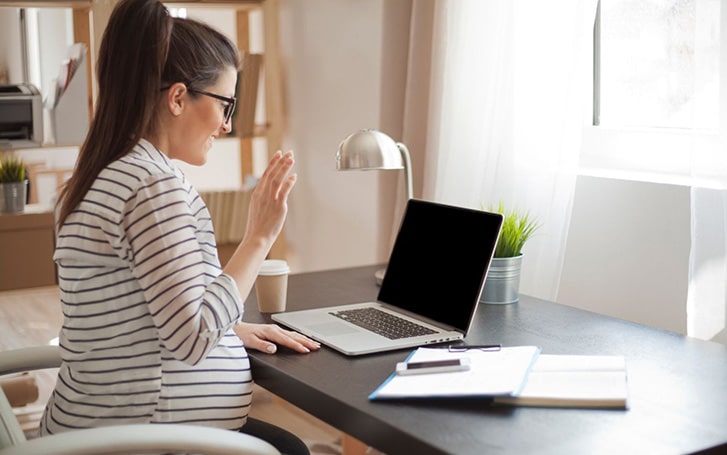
(503, 279)
(13, 184)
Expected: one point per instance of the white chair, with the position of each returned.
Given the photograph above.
(119, 439)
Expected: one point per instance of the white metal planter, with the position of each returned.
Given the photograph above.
(503, 281)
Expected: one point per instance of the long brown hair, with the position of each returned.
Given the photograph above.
(143, 49)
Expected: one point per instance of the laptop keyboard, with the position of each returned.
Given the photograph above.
(383, 323)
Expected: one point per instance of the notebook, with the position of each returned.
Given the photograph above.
(574, 381)
(433, 280)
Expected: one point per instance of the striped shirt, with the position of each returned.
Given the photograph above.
(148, 314)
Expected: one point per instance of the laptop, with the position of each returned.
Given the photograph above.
(431, 287)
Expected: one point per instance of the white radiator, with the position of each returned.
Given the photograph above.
(228, 209)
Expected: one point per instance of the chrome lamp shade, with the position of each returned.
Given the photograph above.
(373, 150)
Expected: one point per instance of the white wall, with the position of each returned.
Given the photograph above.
(55, 33)
(56, 23)
(628, 251)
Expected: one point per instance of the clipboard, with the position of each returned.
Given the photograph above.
(492, 373)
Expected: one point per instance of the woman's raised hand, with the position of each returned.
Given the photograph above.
(269, 201)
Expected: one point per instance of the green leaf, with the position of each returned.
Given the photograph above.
(517, 228)
(12, 169)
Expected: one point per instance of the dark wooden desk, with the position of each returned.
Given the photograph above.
(677, 385)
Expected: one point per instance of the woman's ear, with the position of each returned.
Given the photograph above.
(176, 98)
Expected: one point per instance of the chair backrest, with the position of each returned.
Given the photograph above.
(27, 359)
(15, 361)
(138, 438)
(10, 431)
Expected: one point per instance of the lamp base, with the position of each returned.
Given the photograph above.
(379, 275)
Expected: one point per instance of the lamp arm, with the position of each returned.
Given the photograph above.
(407, 169)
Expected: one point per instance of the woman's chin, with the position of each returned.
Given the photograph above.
(197, 160)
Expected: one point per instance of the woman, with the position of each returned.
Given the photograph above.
(152, 328)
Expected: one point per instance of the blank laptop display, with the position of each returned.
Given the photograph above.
(430, 291)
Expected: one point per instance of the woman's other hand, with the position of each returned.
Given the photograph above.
(266, 337)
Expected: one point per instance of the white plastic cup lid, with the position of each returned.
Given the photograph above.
(274, 267)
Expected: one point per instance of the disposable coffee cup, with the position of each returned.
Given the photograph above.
(271, 286)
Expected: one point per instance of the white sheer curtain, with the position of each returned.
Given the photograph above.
(707, 296)
(507, 103)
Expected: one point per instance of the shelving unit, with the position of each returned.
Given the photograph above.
(89, 21)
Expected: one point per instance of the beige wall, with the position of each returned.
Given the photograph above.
(333, 58)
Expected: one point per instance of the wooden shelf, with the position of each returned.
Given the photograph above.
(239, 5)
(234, 4)
(259, 130)
(46, 3)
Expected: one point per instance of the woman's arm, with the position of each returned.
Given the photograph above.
(268, 209)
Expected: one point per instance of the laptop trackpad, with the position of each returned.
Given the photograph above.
(332, 328)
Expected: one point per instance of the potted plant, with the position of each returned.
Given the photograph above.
(503, 279)
(13, 184)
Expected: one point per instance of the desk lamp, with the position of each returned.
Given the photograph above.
(373, 150)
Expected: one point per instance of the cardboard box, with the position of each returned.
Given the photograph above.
(27, 242)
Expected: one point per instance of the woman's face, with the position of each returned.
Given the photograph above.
(202, 120)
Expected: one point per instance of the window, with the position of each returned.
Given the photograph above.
(657, 84)
(178, 12)
(657, 58)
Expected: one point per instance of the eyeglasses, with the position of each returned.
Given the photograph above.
(228, 108)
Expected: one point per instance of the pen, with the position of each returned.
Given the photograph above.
(481, 347)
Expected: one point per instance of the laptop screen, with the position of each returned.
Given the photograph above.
(439, 261)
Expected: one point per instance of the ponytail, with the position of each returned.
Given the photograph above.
(131, 59)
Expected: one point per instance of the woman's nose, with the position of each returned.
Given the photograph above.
(227, 126)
